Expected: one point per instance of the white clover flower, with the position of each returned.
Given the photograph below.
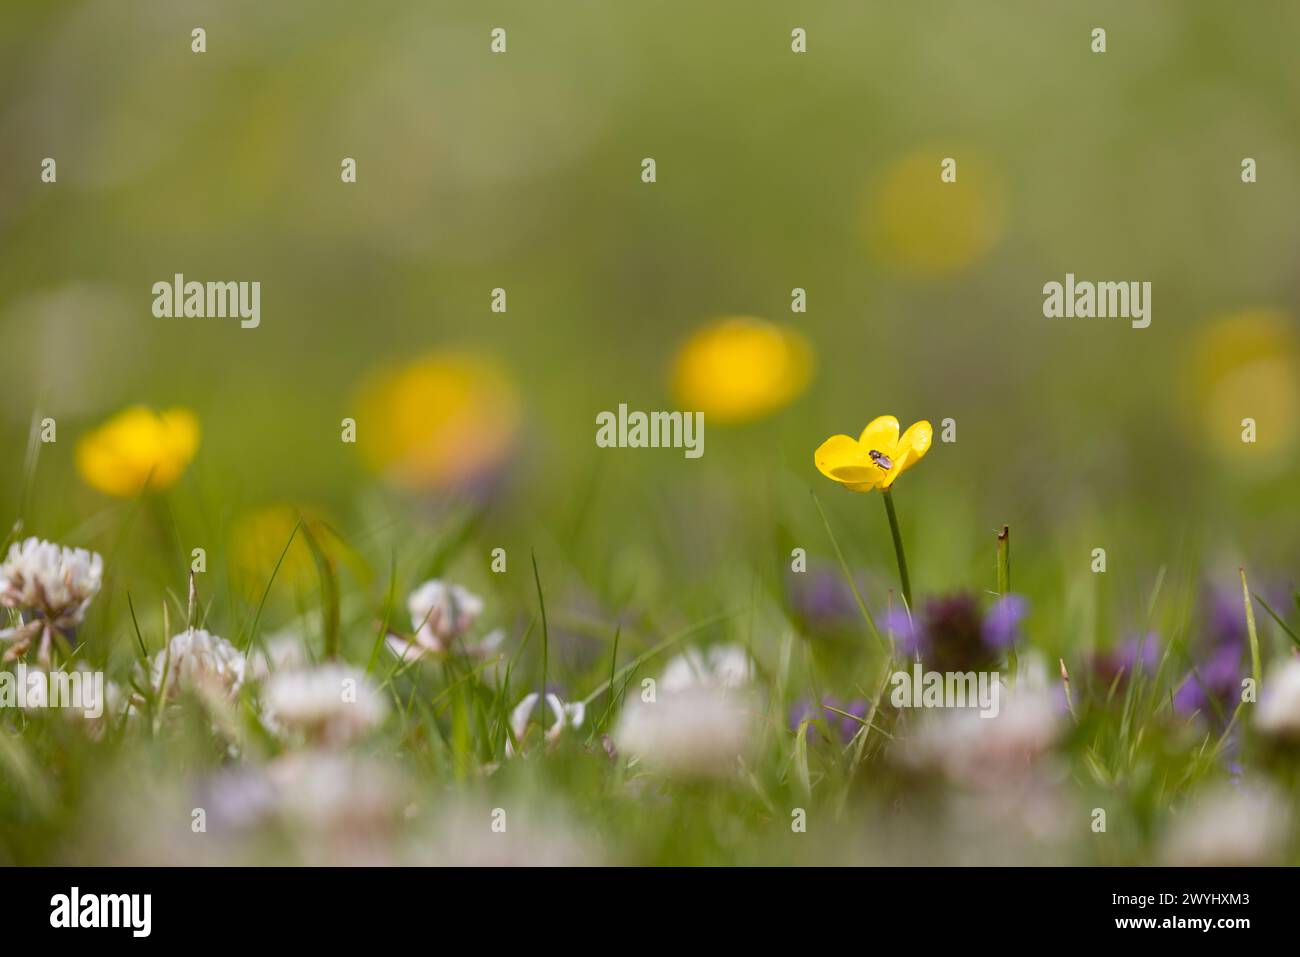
(332, 705)
(195, 660)
(1278, 713)
(117, 705)
(58, 582)
(441, 613)
(697, 732)
(307, 808)
(491, 672)
(333, 792)
(53, 584)
(237, 797)
(540, 836)
(724, 666)
(970, 748)
(1230, 825)
(484, 647)
(702, 720)
(283, 652)
(566, 715)
(317, 798)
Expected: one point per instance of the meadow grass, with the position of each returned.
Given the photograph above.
(1117, 742)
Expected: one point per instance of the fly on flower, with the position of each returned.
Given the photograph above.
(877, 457)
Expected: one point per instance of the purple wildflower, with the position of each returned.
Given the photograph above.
(821, 598)
(1225, 619)
(849, 727)
(1130, 656)
(899, 623)
(952, 633)
(803, 710)
(1001, 627)
(1216, 681)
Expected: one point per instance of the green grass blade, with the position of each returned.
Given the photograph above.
(848, 576)
(1278, 618)
(1255, 669)
(257, 616)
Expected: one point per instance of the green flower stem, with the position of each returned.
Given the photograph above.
(898, 547)
(1004, 560)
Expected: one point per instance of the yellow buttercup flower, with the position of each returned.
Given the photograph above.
(442, 420)
(739, 368)
(877, 457)
(138, 446)
(922, 227)
(258, 539)
(1245, 367)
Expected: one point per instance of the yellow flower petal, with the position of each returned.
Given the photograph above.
(920, 226)
(440, 421)
(179, 440)
(911, 447)
(881, 434)
(137, 446)
(874, 483)
(257, 543)
(1248, 360)
(739, 368)
(842, 459)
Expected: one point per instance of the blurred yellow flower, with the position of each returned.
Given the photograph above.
(1246, 366)
(923, 227)
(442, 420)
(137, 446)
(877, 457)
(258, 539)
(739, 368)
